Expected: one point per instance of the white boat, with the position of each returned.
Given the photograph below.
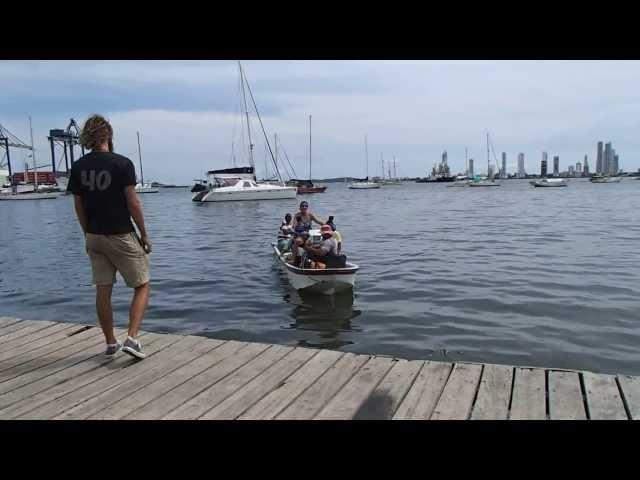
(484, 183)
(146, 188)
(142, 187)
(549, 182)
(363, 185)
(326, 281)
(30, 196)
(240, 183)
(366, 184)
(246, 190)
(605, 179)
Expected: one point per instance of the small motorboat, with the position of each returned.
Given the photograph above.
(306, 186)
(549, 182)
(326, 281)
(364, 185)
(484, 183)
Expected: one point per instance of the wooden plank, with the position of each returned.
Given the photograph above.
(212, 396)
(31, 370)
(24, 386)
(168, 346)
(385, 398)
(208, 353)
(61, 334)
(159, 407)
(23, 330)
(529, 397)
(14, 326)
(39, 357)
(603, 397)
(494, 393)
(565, 396)
(236, 404)
(285, 393)
(187, 350)
(307, 405)
(631, 390)
(5, 321)
(458, 395)
(422, 397)
(348, 401)
(23, 343)
(62, 387)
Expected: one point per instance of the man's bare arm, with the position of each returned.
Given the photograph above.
(80, 212)
(135, 209)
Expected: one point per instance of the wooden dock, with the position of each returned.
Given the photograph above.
(56, 370)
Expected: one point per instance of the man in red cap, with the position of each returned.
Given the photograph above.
(327, 251)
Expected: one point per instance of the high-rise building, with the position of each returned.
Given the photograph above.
(585, 167)
(503, 171)
(599, 159)
(616, 167)
(543, 167)
(607, 159)
(490, 171)
(521, 172)
(571, 171)
(470, 170)
(578, 169)
(556, 166)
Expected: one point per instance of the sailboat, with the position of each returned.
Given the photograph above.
(366, 184)
(489, 181)
(393, 180)
(13, 192)
(143, 187)
(239, 183)
(307, 186)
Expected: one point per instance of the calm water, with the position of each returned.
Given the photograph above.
(516, 275)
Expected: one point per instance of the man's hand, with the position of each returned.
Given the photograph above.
(146, 243)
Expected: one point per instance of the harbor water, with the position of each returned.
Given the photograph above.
(514, 275)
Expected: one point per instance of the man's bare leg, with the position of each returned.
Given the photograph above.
(105, 312)
(138, 307)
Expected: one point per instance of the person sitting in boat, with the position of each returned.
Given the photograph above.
(302, 222)
(305, 217)
(286, 234)
(326, 254)
(336, 234)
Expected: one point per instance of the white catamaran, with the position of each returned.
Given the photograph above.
(240, 183)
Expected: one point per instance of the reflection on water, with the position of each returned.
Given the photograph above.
(328, 315)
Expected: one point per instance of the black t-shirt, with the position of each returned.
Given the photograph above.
(100, 178)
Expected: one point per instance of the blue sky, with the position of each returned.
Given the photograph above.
(187, 111)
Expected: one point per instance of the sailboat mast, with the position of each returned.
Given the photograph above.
(140, 158)
(466, 161)
(33, 155)
(382, 162)
(395, 174)
(366, 155)
(309, 147)
(488, 154)
(275, 144)
(246, 111)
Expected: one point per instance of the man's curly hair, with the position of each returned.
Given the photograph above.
(96, 131)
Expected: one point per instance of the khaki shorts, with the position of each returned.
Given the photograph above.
(123, 253)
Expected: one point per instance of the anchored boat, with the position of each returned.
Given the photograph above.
(549, 182)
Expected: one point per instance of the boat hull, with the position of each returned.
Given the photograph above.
(489, 184)
(327, 281)
(364, 186)
(147, 190)
(303, 190)
(221, 195)
(31, 196)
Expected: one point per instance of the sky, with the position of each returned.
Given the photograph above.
(188, 115)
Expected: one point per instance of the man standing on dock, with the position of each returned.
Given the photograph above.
(105, 200)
